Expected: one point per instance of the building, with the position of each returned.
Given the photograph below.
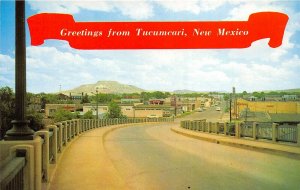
(130, 110)
(153, 111)
(156, 101)
(291, 107)
(76, 96)
(50, 109)
(290, 98)
(102, 109)
(130, 100)
(127, 109)
(63, 97)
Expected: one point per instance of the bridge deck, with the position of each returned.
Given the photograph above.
(84, 165)
(259, 145)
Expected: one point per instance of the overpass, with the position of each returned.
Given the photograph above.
(27, 164)
(73, 154)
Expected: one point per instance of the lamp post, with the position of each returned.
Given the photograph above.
(20, 129)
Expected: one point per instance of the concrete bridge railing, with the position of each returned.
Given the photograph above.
(255, 130)
(26, 164)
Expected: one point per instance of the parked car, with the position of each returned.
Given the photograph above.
(218, 109)
(199, 110)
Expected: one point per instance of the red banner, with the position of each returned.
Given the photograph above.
(158, 35)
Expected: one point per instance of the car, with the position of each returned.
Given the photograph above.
(218, 109)
(199, 110)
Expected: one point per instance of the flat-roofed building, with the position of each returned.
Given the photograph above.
(50, 109)
(292, 107)
(153, 111)
(102, 108)
(156, 101)
(130, 100)
(127, 110)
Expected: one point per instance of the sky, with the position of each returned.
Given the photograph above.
(54, 63)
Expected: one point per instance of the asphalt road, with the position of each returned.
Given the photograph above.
(210, 115)
(153, 157)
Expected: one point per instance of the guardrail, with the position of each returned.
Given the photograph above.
(60, 134)
(255, 130)
(12, 172)
(53, 140)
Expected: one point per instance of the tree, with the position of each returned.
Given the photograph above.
(48, 99)
(114, 110)
(88, 115)
(258, 94)
(85, 99)
(157, 94)
(62, 115)
(7, 107)
(36, 120)
(76, 115)
(226, 97)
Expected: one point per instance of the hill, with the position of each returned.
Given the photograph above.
(105, 87)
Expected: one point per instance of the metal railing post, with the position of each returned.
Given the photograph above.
(59, 138)
(254, 130)
(274, 132)
(237, 129)
(298, 134)
(225, 128)
(65, 137)
(45, 154)
(53, 144)
(217, 128)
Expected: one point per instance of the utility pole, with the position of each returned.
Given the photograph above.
(234, 102)
(246, 113)
(230, 107)
(97, 103)
(175, 105)
(20, 129)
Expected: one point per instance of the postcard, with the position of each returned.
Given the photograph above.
(158, 94)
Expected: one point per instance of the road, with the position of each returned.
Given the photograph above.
(153, 157)
(210, 115)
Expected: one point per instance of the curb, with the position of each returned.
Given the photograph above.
(224, 141)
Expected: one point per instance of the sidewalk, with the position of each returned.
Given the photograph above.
(257, 145)
(85, 165)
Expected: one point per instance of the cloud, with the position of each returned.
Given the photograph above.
(256, 68)
(259, 50)
(7, 71)
(243, 9)
(202, 70)
(5, 59)
(135, 9)
(179, 6)
(127, 8)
